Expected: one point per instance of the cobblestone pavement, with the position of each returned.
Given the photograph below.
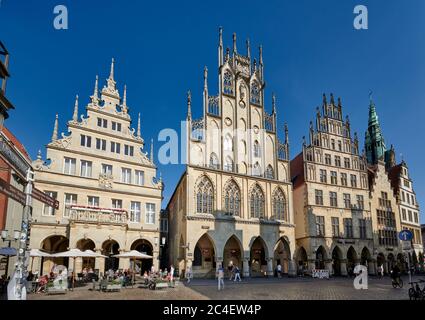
(258, 289)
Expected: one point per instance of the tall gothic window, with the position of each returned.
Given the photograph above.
(228, 83)
(255, 93)
(256, 149)
(204, 196)
(279, 205)
(232, 199)
(257, 202)
(269, 172)
(214, 161)
(228, 143)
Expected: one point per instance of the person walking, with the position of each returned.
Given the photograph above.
(279, 271)
(381, 271)
(220, 277)
(230, 269)
(189, 273)
(237, 274)
(172, 275)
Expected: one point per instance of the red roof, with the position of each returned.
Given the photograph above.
(18, 145)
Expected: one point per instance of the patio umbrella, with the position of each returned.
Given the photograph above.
(73, 253)
(133, 254)
(94, 254)
(8, 252)
(37, 253)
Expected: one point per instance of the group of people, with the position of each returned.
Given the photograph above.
(164, 275)
(234, 271)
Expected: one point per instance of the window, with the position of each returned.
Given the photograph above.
(164, 225)
(214, 161)
(150, 213)
(339, 145)
(334, 177)
(257, 202)
(403, 196)
(255, 93)
(269, 172)
(333, 199)
(333, 144)
(232, 199)
(204, 196)
(257, 149)
(360, 202)
(69, 166)
(353, 181)
(335, 226)
(279, 205)
(347, 201)
(256, 171)
(128, 150)
(410, 216)
(320, 226)
(115, 147)
(404, 214)
(116, 126)
(228, 143)
(406, 183)
(228, 165)
(101, 144)
(86, 169)
(47, 210)
(408, 198)
(102, 122)
(135, 211)
(93, 201)
(337, 161)
(116, 204)
(348, 225)
(85, 141)
(415, 214)
(125, 175)
(323, 175)
(328, 159)
(362, 226)
(413, 200)
(347, 163)
(107, 169)
(319, 197)
(344, 179)
(70, 200)
(228, 83)
(140, 178)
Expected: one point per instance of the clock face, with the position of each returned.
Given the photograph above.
(228, 121)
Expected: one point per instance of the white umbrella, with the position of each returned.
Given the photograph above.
(133, 254)
(37, 253)
(94, 254)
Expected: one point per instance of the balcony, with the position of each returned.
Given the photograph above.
(97, 215)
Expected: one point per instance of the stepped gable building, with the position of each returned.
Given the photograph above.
(404, 203)
(331, 192)
(109, 196)
(233, 203)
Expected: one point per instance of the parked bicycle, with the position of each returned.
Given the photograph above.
(415, 292)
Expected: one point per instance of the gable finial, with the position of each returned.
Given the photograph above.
(151, 155)
(248, 49)
(273, 103)
(95, 96)
(55, 129)
(234, 43)
(111, 74)
(189, 102)
(75, 115)
(138, 127)
(39, 154)
(205, 77)
(124, 100)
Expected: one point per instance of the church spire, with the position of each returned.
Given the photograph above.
(75, 115)
(138, 127)
(55, 129)
(374, 139)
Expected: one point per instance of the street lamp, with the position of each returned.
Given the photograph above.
(5, 237)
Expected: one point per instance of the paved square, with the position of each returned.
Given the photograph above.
(257, 289)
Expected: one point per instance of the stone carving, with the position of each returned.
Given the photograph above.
(106, 181)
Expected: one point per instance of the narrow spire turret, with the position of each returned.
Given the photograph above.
(138, 127)
(248, 49)
(273, 103)
(55, 129)
(75, 115)
(111, 74)
(286, 134)
(189, 102)
(220, 46)
(124, 100)
(234, 44)
(95, 96)
(151, 155)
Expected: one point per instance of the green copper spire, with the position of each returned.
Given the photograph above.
(374, 139)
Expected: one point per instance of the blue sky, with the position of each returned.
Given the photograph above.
(310, 47)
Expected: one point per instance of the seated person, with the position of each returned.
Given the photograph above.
(30, 276)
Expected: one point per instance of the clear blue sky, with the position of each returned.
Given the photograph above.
(310, 47)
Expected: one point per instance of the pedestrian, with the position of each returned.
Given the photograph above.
(237, 274)
(189, 273)
(381, 271)
(230, 269)
(172, 275)
(220, 277)
(279, 270)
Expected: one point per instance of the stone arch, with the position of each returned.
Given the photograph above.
(282, 254)
(352, 260)
(233, 252)
(301, 258)
(204, 257)
(259, 254)
(54, 244)
(321, 257)
(88, 263)
(243, 168)
(337, 256)
(283, 175)
(144, 246)
(110, 248)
